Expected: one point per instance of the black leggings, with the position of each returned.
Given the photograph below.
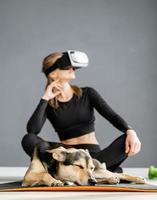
(113, 155)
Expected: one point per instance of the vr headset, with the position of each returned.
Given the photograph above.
(73, 58)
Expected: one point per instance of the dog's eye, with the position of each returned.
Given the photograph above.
(79, 166)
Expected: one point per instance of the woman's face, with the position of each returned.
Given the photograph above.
(63, 75)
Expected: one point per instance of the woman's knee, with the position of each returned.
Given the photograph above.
(120, 141)
(29, 141)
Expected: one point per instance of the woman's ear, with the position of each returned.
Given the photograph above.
(53, 75)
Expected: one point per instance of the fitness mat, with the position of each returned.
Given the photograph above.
(121, 187)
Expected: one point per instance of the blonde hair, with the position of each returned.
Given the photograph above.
(48, 61)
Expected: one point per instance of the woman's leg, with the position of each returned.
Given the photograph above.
(114, 154)
(29, 141)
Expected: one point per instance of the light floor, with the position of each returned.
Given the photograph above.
(16, 173)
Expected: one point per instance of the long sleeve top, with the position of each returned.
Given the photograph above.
(75, 117)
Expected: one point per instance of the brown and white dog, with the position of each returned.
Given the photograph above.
(63, 166)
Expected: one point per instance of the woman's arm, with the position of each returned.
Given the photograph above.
(132, 143)
(106, 111)
(37, 120)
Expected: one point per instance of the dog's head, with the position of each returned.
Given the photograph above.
(74, 165)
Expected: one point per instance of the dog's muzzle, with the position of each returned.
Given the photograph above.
(92, 181)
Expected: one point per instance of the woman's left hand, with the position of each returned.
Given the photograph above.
(132, 143)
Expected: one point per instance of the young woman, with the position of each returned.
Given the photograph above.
(70, 110)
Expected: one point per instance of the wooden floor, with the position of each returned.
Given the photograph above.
(13, 173)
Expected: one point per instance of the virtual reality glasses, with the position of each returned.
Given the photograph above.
(73, 58)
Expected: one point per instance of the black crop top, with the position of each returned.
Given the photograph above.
(75, 117)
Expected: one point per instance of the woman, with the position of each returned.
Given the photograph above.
(70, 110)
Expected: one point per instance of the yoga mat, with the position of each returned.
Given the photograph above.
(121, 187)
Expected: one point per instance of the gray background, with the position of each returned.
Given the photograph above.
(119, 37)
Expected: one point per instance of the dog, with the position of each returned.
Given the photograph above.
(61, 165)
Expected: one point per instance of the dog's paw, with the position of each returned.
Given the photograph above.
(68, 183)
(114, 180)
(140, 180)
(57, 183)
(24, 184)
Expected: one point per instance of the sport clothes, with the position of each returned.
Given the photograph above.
(75, 117)
(113, 155)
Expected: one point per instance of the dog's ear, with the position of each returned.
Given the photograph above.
(58, 154)
(98, 164)
(87, 151)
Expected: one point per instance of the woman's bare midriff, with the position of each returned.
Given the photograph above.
(84, 139)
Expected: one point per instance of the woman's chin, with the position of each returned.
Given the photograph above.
(71, 78)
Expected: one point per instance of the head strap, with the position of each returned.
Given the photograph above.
(61, 62)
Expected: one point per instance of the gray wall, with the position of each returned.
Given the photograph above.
(119, 37)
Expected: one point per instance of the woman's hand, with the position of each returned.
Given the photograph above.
(132, 143)
(52, 90)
